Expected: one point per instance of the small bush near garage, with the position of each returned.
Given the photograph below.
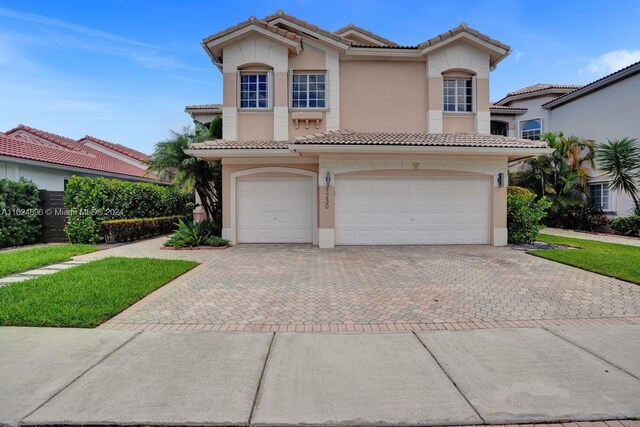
(627, 225)
(192, 234)
(125, 230)
(91, 201)
(587, 217)
(20, 222)
(524, 215)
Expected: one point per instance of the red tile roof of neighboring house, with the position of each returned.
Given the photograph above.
(346, 137)
(22, 142)
(129, 152)
(369, 34)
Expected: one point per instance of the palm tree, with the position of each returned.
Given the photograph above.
(170, 161)
(620, 159)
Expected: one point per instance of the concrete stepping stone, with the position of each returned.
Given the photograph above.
(13, 279)
(38, 272)
(59, 266)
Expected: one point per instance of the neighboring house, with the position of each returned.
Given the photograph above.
(520, 113)
(608, 108)
(346, 138)
(49, 160)
(204, 113)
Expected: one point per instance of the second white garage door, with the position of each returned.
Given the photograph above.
(412, 211)
(275, 210)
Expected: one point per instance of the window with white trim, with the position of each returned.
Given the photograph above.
(600, 195)
(254, 89)
(308, 90)
(457, 95)
(531, 129)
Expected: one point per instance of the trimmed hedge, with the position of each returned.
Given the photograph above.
(91, 201)
(125, 230)
(524, 215)
(20, 220)
(627, 225)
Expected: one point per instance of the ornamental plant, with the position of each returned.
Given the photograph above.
(91, 201)
(524, 215)
(20, 222)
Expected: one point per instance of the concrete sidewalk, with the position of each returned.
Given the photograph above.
(499, 376)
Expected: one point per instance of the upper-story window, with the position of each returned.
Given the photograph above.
(531, 129)
(457, 94)
(254, 89)
(308, 90)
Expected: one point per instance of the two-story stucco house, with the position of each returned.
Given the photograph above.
(605, 109)
(346, 138)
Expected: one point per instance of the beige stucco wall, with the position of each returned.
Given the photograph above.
(383, 96)
(311, 58)
(458, 122)
(255, 126)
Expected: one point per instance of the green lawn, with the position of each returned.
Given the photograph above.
(87, 295)
(609, 259)
(15, 261)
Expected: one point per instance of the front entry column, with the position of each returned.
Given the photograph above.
(326, 209)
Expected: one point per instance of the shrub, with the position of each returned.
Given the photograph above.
(515, 190)
(524, 215)
(191, 234)
(627, 225)
(91, 201)
(20, 222)
(124, 230)
(587, 217)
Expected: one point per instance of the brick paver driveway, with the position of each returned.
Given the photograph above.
(267, 287)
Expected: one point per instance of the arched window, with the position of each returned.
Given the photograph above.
(255, 88)
(457, 91)
(531, 129)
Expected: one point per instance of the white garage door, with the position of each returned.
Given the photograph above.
(411, 211)
(275, 210)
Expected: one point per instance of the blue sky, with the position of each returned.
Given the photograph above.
(124, 70)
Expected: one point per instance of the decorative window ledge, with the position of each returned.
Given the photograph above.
(306, 118)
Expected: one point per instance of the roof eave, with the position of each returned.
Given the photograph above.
(218, 153)
(593, 87)
(500, 52)
(213, 45)
(415, 149)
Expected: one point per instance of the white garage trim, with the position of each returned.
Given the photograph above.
(391, 210)
(231, 233)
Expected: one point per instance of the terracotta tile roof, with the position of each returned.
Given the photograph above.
(418, 139)
(365, 138)
(352, 27)
(119, 148)
(504, 107)
(203, 107)
(63, 151)
(461, 29)
(60, 140)
(595, 85)
(222, 144)
(281, 14)
(260, 23)
(541, 86)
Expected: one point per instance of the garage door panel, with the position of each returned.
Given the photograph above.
(427, 210)
(275, 210)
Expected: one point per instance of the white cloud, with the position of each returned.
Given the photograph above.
(612, 61)
(80, 29)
